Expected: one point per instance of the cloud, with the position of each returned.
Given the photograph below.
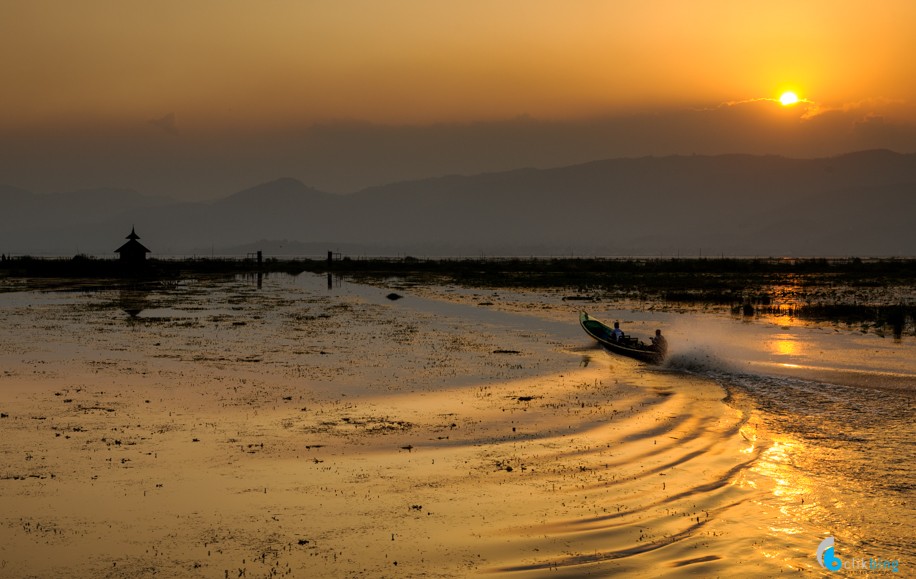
(166, 123)
(346, 156)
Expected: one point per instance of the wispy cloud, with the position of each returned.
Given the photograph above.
(166, 123)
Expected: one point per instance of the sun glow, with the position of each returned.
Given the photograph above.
(788, 98)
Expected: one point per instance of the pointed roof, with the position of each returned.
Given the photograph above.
(132, 245)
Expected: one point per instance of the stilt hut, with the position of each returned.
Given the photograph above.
(132, 252)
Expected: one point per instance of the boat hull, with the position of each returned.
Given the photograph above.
(629, 347)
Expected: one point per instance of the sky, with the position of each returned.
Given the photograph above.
(200, 98)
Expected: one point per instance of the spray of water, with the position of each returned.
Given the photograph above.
(804, 352)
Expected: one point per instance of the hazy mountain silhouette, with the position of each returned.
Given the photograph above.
(857, 204)
(84, 220)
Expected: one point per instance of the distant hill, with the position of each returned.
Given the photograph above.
(63, 223)
(862, 203)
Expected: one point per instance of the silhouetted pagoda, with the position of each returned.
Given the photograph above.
(133, 251)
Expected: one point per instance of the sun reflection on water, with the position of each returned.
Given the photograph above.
(778, 458)
(791, 489)
(785, 345)
(749, 434)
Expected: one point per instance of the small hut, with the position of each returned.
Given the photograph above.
(133, 251)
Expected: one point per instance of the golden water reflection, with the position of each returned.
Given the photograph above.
(785, 345)
(791, 489)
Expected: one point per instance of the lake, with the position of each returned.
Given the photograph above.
(288, 426)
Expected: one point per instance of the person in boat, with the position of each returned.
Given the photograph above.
(659, 343)
(616, 333)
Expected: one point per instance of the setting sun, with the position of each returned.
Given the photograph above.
(788, 98)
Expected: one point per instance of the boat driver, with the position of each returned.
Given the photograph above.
(659, 343)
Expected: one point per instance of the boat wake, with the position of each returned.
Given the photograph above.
(651, 484)
(803, 405)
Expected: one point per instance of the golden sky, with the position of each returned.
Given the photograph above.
(202, 97)
(275, 62)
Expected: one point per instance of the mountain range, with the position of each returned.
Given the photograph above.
(858, 204)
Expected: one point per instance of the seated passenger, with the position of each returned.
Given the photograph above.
(616, 333)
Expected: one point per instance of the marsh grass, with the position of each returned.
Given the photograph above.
(881, 292)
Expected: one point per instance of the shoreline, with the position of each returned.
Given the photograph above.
(90, 266)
